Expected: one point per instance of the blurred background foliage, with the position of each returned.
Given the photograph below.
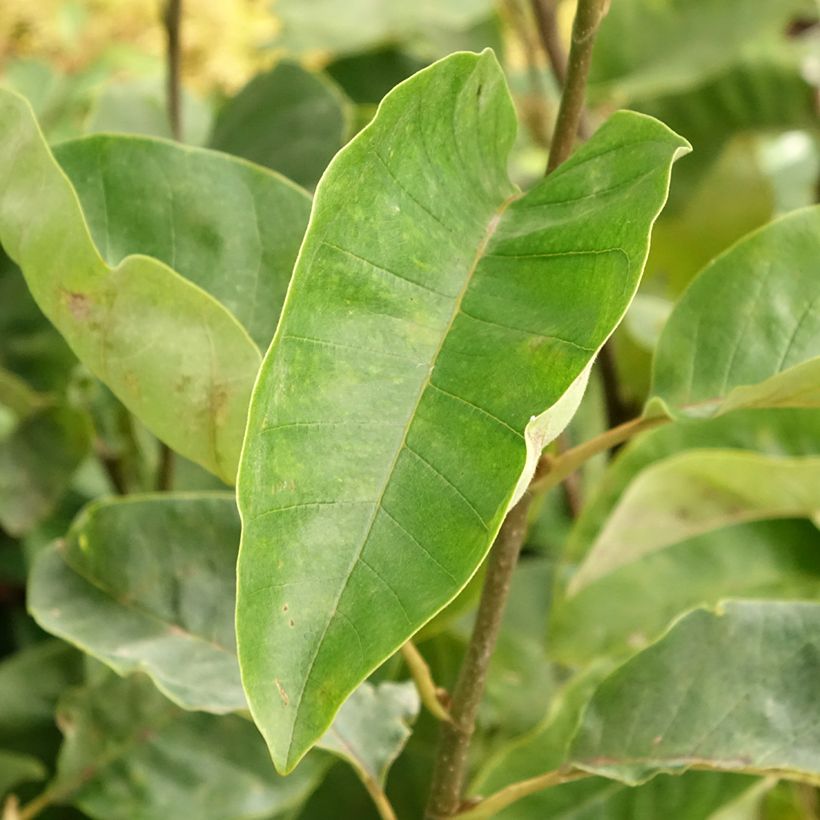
(286, 84)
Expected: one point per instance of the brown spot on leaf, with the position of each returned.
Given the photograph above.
(78, 303)
(285, 608)
(282, 693)
(292, 622)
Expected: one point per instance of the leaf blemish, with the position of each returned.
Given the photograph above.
(78, 303)
(282, 693)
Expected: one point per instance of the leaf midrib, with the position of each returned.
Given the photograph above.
(489, 232)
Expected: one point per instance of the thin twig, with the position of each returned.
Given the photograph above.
(570, 485)
(490, 806)
(617, 410)
(454, 743)
(535, 108)
(113, 466)
(555, 470)
(165, 468)
(573, 118)
(546, 21)
(172, 20)
(379, 798)
(584, 29)
(432, 696)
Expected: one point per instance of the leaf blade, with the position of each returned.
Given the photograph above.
(407, 267)
(94, 306)
(751, 711)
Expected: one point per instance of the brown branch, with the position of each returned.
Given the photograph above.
(172, 20)
(454, 743)
(587, 18)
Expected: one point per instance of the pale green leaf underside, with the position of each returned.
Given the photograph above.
(746, 333)
(372, 727)
(784, 432)
(147, 583)
(170, 352)
(434, 312)
(625, 610)
(160, 761)
(649, 47)
(231, 227)
(734, 689)
(695, 492)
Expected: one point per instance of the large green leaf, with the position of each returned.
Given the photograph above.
(290, 119)
(130, 753)
(442, 325)
(372, 727)
(735, 689)
(747, 330)
(147, 583)
(695, 492)
(228, 226)
(625, 610)
(37, 461)
(170, 352)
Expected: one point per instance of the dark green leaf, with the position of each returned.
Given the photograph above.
(443, 327)
(17, 768)
(31, 681)
(129, 753)
(227, 226)
(288, 119)
(37, 461)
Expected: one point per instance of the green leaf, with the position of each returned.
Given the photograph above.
(130, 753)
(366, 77)
(37, 461)
(326, 26)
(783, 432)
(731, 690)
(625, 610)
(16, 768)
(372, 727)
(230, 227)
(752, 317)
(692, 796)
(170, 352)
(695, 492)
(648, 47)
(443, 326)
(17, 396)
(147, 583)
(289, 119)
